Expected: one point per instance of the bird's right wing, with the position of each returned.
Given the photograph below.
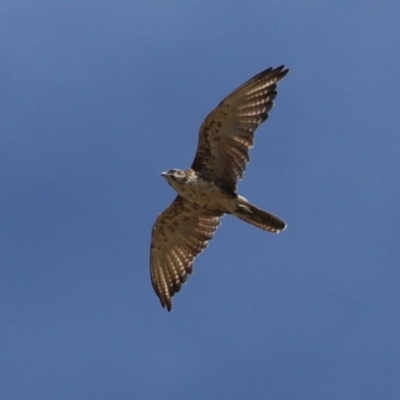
(179, 234)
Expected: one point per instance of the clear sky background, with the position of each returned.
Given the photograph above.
(97, 98)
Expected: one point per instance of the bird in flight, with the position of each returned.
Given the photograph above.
(207, 190)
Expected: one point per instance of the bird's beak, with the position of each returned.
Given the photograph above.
(164, 174)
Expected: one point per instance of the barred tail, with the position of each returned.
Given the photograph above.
(261, 219)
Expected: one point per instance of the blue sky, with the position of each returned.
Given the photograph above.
(97, 99)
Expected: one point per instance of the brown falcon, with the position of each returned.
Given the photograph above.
(207, 190)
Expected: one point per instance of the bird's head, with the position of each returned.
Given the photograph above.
(175, 177)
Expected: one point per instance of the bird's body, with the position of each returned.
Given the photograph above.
(209, 194)
(207, 190)
(202, 190)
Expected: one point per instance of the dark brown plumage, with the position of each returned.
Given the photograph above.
(208, 189)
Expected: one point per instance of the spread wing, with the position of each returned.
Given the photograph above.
(179, 234)
(227, 133)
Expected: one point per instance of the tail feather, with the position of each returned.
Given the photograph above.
(260, 218)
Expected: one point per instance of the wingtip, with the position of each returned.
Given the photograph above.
(166, 303)
(278, 73)
(281, 71)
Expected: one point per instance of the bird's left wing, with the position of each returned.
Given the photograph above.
(179, 234)
(227, 133)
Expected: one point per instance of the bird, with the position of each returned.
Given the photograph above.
(208, 189)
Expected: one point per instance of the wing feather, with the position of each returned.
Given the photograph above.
(227, 133)
(179, 235)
